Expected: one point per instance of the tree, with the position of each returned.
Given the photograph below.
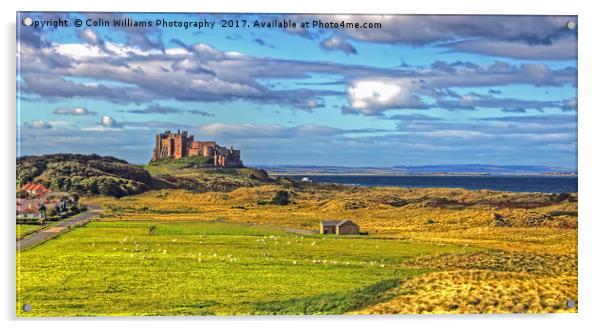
(43, 211)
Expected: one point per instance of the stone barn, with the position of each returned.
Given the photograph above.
(339, 227)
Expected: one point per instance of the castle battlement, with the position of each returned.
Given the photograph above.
(179, 145)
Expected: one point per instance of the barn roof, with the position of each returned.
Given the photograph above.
(335, 222)
(330, 222)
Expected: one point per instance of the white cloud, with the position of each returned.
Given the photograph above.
(90, 36)
(338, 43)
(107, 121)
(77, 111)
(248, 130)
(371, 97)
(39, 124)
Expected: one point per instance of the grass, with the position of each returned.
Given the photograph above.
(24, 230)
(175, 252)
(337, 303)
(377, 211)
(185, 173)
(481, 291)
(156, 268)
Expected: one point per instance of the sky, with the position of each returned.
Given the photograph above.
(418, 90)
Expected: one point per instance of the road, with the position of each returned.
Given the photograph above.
(51, 232)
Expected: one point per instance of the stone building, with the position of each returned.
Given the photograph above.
(339, 227)
(179, 145)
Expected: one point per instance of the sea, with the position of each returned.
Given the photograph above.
(510, 183)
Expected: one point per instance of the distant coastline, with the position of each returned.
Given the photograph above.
(385, 174)
(427, 170)
(508, 183)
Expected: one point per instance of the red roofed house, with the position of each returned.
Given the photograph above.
(34, 189)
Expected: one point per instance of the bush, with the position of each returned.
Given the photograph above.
(281, 198)
(199, 160)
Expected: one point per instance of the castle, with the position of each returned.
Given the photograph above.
(179, 145)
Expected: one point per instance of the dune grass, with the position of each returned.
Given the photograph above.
(481, 291)
(155, 268)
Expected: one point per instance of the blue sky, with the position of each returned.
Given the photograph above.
(420, 90)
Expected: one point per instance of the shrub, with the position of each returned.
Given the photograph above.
(281, 198)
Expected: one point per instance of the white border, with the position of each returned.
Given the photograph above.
(589, 156)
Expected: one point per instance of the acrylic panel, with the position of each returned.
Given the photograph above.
(199, 164)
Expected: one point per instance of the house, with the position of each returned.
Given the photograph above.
(31, 209)
(35, 190)
(339, 227)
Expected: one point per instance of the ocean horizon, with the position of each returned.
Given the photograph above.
(509, 183)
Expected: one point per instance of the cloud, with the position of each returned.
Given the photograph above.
(371, 97)
(266, 130)
(337, 43)
(524, 37)
(107, 121)
(221, 76)
(514, 110)
(159, 109)
(76, 111)
(425, 29)
(431, 87)
(155, 109)
(202, 73)
(54, 87)
(201, 113)
(413, 117)
(419, 138)
(263, 43)
(39, 124)
(141, 37)
(91, 37)
(565, 48)
(569, 105)
(472, 101)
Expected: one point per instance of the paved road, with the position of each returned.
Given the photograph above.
(51, 232)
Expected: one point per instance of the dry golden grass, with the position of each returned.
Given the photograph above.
(435, 215)
(480, 291)
(497, 260)
(529, 265)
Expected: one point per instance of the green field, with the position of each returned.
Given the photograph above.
(25, 229)
(203, 268)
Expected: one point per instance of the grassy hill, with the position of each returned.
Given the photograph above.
(196, 174)
(104, 175)
(83, 174)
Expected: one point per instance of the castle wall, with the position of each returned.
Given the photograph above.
(179, 145)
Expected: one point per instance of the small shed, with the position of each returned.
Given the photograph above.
(339, 227)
